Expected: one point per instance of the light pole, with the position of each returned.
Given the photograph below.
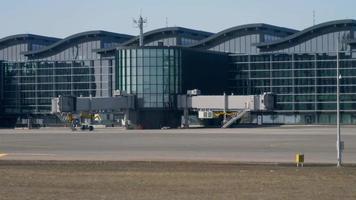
(338, 136)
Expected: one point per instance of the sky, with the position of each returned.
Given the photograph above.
(62, 18)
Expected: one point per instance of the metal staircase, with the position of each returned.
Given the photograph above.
(238, 116)
(63, 117)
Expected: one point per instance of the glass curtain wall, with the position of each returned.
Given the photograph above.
(30, 86)
(14, 52)
(319, 44)
(150, 73)
(302, 82)
(242, 44)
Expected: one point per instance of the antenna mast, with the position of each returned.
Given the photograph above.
(140, 24)
(314, 17)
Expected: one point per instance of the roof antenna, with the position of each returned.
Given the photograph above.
(314, 16)
(140, 24)
(166, 21)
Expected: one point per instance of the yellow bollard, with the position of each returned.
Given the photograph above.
(299, 159)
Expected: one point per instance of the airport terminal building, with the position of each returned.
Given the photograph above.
(299, 67)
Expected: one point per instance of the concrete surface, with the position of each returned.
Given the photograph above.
(242, 144)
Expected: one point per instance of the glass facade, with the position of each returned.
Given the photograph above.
(156, 75)
(185, 41)
(303, 83)
(12, 48)
(153, 74)
(13, 52)
(172, 41)
(299, 67)
(241, 44)
(170, 36)
(77, 51)
(321, 44)
(244, 39)
(30, 86)
(68, 67)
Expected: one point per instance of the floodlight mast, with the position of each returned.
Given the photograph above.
(140, 24)
(338, 135)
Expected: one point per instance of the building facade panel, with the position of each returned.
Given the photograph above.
(170, 36)
(243, 39)
(150, 73)
(305, 84)
(322, 38)
(30, 86)
(298, 66)
(12, 48)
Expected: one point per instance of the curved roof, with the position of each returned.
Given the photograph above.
(26, 37)
(169, 30)
(247, 27)
(162, 31)
(313, 29)
(76, 37)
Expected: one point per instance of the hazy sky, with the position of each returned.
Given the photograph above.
(61, 18)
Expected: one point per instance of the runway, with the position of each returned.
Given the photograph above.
(238, 145)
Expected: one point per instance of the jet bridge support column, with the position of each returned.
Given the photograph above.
(126, 118)
(130, 118)
(186, 113)
(186, 118)
(225, 107)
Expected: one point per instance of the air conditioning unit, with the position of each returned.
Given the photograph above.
(206, 114)
(120, 93)
(194, 92)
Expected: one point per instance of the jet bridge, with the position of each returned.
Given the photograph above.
(232, 107)
(65, 106)
(89, 104)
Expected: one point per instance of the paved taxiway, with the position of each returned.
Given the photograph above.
(241, 144)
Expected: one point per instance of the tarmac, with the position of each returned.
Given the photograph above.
(248, 145)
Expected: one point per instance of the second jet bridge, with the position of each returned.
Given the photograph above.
(232, 107)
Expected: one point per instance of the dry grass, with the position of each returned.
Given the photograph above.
(172, 180)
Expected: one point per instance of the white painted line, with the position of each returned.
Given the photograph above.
(31, 154)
